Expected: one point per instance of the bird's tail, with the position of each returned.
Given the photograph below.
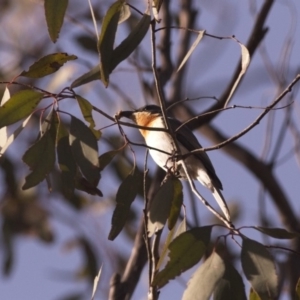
(221, 202)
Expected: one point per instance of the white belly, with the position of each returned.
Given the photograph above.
(163, 141)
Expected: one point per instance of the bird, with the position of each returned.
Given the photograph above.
(162, 148)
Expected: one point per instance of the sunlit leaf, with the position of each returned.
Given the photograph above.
(66, 162)
(125, 196)
(245, 61)
(107, 39)
(19, 106)
(40, 157)
(155, 9)
(47, 65)
(160, 206)
(176, 202)
(206, 278)
(96, 283)
(185, 251)
(231, 285)
(130, 43)
(278, 233)
(193, 47)
(85, 150)
(259, 268)
(55, 12)
(3, 130)
(124, 13)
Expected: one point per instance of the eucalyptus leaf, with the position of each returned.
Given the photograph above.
(55, 12)
(186, 250)
(259, 268)
(19, 106)
(85, 150)
(47, 65)
(124, 198)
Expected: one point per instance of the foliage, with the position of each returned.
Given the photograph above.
(74, 158)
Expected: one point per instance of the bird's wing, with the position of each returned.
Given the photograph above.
(186, 137)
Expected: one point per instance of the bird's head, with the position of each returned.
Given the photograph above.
(142, 116)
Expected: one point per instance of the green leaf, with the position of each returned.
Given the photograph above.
(83, 185)
(130, 43)
(176, 203)
(125, 196)
(19, 106)
(107, 157)
(277, 233)
(66, 162)
(55, 12)
(107, 39)
(91, 75)
(185, 251)
(86, 109)
(40, 157)
(206, 278)
(47, 65)
(259, 268)
(160, 206)
(231, 285)
(85, 150)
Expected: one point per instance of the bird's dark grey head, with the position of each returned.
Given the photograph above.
(155, 109)
(152, 109)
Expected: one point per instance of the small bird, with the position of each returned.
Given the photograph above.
(198, 165)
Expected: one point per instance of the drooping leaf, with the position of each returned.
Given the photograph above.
(245, 61)
(55, 13)
(88, 43)
(107, 39)
(125, 196)
(40, 157)
(160, 206)
(278, 233)
(47, 65)
(85, 150)
(19, 106)
(66, 162)
(186, 250)
(130, 43)
(89, 76)
(259, 268)
(176, 202)
(206, 279)
(231, 285)
(193, 47)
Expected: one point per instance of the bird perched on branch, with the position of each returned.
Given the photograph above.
(162, 149)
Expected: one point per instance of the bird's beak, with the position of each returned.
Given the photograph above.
(126, 113)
